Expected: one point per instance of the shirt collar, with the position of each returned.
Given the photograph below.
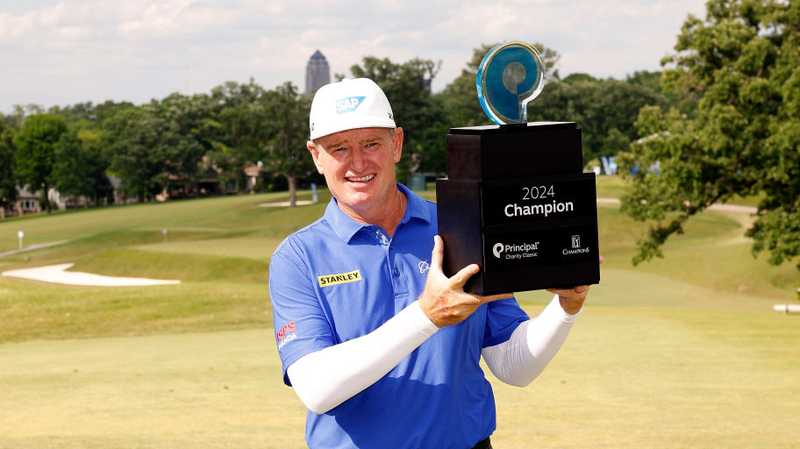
(345, 227)
(416, 207)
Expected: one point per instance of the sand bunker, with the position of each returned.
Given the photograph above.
(57, 274)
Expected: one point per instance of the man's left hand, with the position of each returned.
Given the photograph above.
(571, 299)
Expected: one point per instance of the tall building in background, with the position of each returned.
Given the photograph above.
(318, 73)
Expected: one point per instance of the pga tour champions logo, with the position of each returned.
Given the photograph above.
(507, 251)
(575, 246)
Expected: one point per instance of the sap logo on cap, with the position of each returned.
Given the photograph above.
(348, 104)
(497, 249)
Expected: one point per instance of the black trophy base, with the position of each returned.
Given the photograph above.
(520, 244)
(536, 229)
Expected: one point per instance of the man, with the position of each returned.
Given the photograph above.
(377, 342)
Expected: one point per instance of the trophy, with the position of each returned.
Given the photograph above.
(516, 200)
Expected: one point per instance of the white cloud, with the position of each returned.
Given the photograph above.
(64, 51)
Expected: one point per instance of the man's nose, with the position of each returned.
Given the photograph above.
(358, 160)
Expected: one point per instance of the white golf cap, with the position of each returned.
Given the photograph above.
(349, 104)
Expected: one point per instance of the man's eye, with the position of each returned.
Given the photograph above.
(371, 145)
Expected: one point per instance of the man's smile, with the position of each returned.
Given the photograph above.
(360, 179)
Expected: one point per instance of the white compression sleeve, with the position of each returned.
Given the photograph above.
(328, 377)
(532, 345)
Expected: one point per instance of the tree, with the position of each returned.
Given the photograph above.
(286, 124)
(743, 139)
(36, 142)
(8, 181)
(240, 119)
(133, 139)
(20, 112)
(579, 77)
(408, 88)
(604, 109)
(80, 167)
(189, 132)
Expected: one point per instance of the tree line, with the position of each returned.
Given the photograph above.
(176, 142)
(181, 141)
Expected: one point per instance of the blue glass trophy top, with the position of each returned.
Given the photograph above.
(508, 78)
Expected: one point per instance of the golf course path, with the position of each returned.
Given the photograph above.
(32, 248)
(57, 274)
(735, 208)
(744, 215)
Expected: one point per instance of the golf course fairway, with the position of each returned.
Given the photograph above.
(681, 352)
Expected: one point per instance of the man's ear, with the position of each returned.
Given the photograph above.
(398, 144)
(312, 148)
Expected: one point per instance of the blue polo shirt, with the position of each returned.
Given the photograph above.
(337, 279)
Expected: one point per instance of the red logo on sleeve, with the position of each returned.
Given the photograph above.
(285, 334)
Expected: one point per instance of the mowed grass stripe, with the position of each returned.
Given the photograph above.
(35, 311)
(231, 213)
(246, 247)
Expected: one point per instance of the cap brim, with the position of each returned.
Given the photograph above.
(348, 125)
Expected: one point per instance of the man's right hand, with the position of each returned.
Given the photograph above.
(444, 300)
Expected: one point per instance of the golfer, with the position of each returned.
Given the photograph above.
(380, 345)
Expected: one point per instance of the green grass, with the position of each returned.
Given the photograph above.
(247, 247)
(747, 200)
(678, 352)
(219, 248)
(225, 214)
(712, 252)
(681, 367)
(615, 187)
(610, 186)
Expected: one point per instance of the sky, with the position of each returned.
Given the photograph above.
(60, 52)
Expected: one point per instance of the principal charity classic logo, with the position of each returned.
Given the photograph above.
(517, 251)
(423, 266)
(497, 250)
(327, 280)
(576, 248)
(348, 104)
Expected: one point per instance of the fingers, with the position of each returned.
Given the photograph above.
(438, 253)
(459, 279)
